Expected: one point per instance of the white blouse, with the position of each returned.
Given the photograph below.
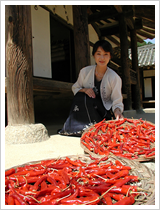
(110, 88)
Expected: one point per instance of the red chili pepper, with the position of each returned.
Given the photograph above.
(99, 123)
(64, 175)
(10, 200)
(24, 172)
(100, 171)
(58, 166)
(126, 201)
(97, 182)
(43, 185)
(16, 196)
(149, 155)
(88, 196)
(133, 178)
(17, 202)
(33, 173)
(120, 122)
(44, 192)
(120, 174)
(60, 179)
(118, 163)
(104, 158)
(38, 182)
(51, 180)
(116, 196)
(122, 167)
(92, 158)
(86, 145)
(107, 199)
(10, 171)
(126, 155)
(71, 199)
(121, 182)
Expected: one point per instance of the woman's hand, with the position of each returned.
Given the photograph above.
(118, 115)
(88, 91)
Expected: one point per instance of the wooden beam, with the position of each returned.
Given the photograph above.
(130, 23)
(145, 11)
(148, 29)
(107, 13)
(146, 34)
(113, 28)
(96, 28)
(112, 39)
(47, 85)
(119, 8)
(19, 64)
(148, 23)
(128, 12)
(109, 25)
(140, 38)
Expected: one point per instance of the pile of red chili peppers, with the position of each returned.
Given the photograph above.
(66, 181)
(129, 138)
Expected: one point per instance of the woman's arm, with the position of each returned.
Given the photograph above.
(88, 91)
(116, 97)
(118, 114)
(78, 85)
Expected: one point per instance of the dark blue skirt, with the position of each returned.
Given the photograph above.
(84, 112)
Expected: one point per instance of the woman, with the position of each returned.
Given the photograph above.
(97, 93)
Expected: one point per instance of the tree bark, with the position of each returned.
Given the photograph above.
(19, 65)
(81, 37)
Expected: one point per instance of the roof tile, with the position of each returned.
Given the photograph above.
(146, 55)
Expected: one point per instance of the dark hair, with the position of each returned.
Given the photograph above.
(106, 46)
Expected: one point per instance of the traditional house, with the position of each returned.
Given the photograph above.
(47, 45)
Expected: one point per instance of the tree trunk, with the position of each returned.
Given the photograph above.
(81, 37)
(19, 64)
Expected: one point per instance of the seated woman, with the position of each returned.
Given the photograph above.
(97, 93)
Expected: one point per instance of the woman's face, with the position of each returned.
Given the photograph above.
(101, 57)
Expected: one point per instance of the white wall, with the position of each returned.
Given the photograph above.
(41, 33)
(148, 82)
(41, 42)
(93, 37)
(147, 87)
(63, 11)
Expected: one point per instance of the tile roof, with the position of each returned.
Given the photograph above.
(146, 55)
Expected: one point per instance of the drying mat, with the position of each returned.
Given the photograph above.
(141, 158)
(146, 175)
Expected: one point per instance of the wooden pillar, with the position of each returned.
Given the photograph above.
(137, 93)
(126, 80)
(81, 37)
(19, 65)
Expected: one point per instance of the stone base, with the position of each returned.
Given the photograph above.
(25, 134)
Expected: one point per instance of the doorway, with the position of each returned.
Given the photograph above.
(62, 52)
